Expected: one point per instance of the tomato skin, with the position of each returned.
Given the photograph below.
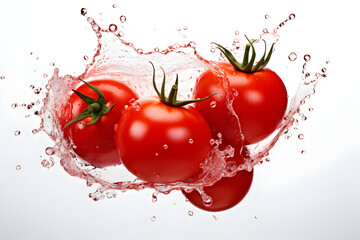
(162, 144)
(260, 102)
(225, 194)
(94, 143)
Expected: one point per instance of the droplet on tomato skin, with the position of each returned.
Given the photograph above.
(165, 146)
(17, 133)
(301, 136)
(18, 167)
(292, 56)
(122, 18)
(213, 104)
(136, 106)
(191, 141)
(191, 213)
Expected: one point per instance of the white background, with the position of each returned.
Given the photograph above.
(294, 196)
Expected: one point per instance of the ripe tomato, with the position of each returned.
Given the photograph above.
(94, 143)
(225, 194)
(159, 143)
(260, 99)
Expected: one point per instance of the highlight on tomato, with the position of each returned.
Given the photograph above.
(161, 139)
(260, 98)
(89, 118)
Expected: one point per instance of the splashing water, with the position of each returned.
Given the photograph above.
(120, 60)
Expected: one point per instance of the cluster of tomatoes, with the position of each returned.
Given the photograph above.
(160, 139)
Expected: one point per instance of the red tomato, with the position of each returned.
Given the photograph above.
(160, 143)
(260, 102)
(225, 194)
(94, 143)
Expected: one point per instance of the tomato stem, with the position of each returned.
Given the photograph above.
(171, 100)
(95, 108)
(248, 64)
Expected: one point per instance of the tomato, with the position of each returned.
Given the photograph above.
(159, 143)
(260, 99)
(94, 143)
(225, 194)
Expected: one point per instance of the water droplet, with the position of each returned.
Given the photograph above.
(18, 167)
(120, 34)
(185, 28)
(48, 163)
(192, 44)
(122, 18)
(153, 218)
(301, 136)
(139, 51)
(292, 16)
(111, 194)
(236, 32)
(35, 131)
(323, 70)
(14, 105)
(52, 64)
(304, 118)
(267, 16)
(302, 102)
(311, 109)
(265, 30)
(86, 57)
(327, 62)
(307, 57)
(307, 75)
(136, 106)
(114, 5)
(156, 49)
(37, 91)
(191, 213)
(32, 86)
(178, 29)
(256, 217)
(191, 141)
(215, 217)
(165, 146)
(213, 104)
(292, 56)
(17, 133)
(303, 151)
(267, 159)
(2, 77)
(212, 50)
(49, 151)
(112, 27)
(83, 11)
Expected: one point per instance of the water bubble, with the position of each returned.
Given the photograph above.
(307, 57)
(304, 118)
(192, 44)
(231, 166)
(323, 70)
(112, 27)
(153, 218)
(292, 56)
(120, 34)
(267, 16)
(301, 136)
(52, 64)
(86, 57)
(178, 29)
(136, 106)
(327, 62)
(111, 194)
(311, 109)
(156, 49)
(14, 105)
(37, 91)
(307, 75)
(191, 141)
(303, 151)
(292, 16)
(267, 159)
(237, 32)
(213, 104)
(17, 133)
(32, 86)
(35, 131)
(49, 151)
(212, 50)
(185, 28)
(191, 213)
(265, 30)
(2, 77)
(139, 51)
(114, 5)
(48, 163)
(165, 146)
(18, 167)
(83, 11)
(122, 18)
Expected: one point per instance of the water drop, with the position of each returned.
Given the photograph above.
(2, 77)
(292, 16)
(307, 57)
(112, 27)
(139, 51)
(265, 30)
(114, 5)
(292, 56)
(18, 167)
(52, 64)
(311, 109)
(327, 62)
(32, 86)
(86, 57)
(301, 136)
(136, 106)
(267, 16)
(17, 133)
(48, 163)
(215, 217)
(213, 104)
(191, 141)
(37, 91)
(237, 32)
(120, 34)
(165, 146)
(303, 151)
(156, 49)
(49, 151)
(122, 18)
(212, 50)
(304, 118)
(153, 218)
(267, 159)
(14, 105)
(256, 217)
(185, 28)
(323, 70)
(83, 11)
(191, 213)
(35, 131)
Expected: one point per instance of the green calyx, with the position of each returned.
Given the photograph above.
(171, 100)
(247, 65)
(95, 108)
